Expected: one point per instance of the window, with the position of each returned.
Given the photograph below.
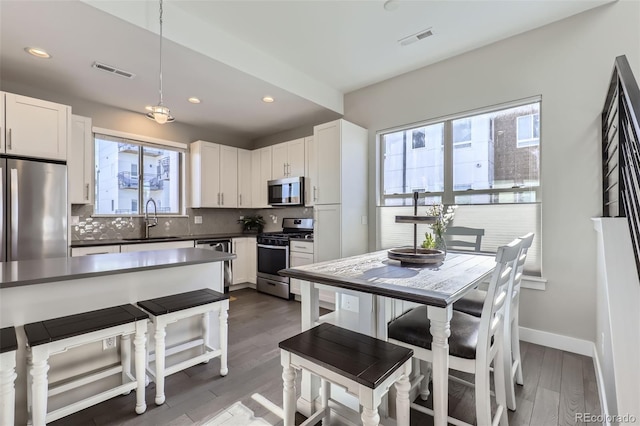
(528, 130)
(129, 172)
(476, 161)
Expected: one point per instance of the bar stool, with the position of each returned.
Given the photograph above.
(166, 310)
(50, 337)
(365, 366)
(8, 348)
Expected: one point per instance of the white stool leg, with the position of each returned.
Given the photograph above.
(206, 335)
(325, 393)
(39, 387)
(425, 370)
(125, 358)
(223, 341)
(7, 389)
(403, 404)
(289, 395)
(140, 352)
(370, 416)
(159, 338)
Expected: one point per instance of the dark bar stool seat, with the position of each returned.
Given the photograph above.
(364, 365)
(46, 338)
(166, 310)
(8, 348)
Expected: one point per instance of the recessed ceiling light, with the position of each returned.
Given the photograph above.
(37, 52)
(194, 100)
(391, 5)
(267, 99)
(149, 108)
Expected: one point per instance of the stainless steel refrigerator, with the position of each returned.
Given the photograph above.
(34, 209)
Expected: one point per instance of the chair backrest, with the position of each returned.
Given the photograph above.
(467, 242)
(514, 291)
(495, 305)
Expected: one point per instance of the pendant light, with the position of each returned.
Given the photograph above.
(160, 113)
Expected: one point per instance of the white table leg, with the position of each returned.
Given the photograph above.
(370, 416)
(7, 389)
(159, 338)
(206, 335)
(224, 327)
(140, 352)
(310, 301)
(39, 388)
(125, 358)
(440, 330)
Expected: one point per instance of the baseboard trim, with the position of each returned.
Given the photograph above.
(600, 383)
(557, 341)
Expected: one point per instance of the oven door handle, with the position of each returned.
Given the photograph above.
(273, 247)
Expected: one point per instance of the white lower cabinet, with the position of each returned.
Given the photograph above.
(301, 253)
(244, 265)
(84, 251)
(129, 248)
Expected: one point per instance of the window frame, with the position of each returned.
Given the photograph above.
(448, 195)
(148, 142)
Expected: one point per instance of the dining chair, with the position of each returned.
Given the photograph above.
(467, 242)
(472, 304)
(474, 344)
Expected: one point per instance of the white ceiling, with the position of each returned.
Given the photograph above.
(306, 54)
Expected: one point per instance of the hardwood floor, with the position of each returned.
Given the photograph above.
(557, 384)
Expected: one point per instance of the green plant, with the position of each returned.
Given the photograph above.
(440, 225)
(252, 223)
(429, 242)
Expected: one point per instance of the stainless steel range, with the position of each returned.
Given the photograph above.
(273, 255)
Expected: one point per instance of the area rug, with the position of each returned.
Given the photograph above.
(237, 415)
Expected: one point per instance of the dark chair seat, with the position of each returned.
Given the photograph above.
(179, 302)
(363, 359)
(471, 303)
(413, 326)
(39, 333)
(8, 341)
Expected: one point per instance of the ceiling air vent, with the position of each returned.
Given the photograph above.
(416, 37)
(113, 70)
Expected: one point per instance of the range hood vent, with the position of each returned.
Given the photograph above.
(416, 37)
(113, 70)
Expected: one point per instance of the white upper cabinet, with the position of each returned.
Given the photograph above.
(328, 160)
(261, 173)
(288, 159)
(214, 175)
(80, 161)
(244, 178)
(36, 128)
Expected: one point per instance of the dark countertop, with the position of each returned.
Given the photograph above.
(28, 272)
(95, 243)
(438, 285)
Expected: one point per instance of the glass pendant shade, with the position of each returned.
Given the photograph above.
(160, 114)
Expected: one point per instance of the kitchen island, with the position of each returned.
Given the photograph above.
(37, 290)
(377, 289)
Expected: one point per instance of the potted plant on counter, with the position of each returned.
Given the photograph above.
(252, 223)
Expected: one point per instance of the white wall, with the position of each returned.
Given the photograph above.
(568, 63)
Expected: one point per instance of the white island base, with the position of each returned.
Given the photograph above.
(23, 304)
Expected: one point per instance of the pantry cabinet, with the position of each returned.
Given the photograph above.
(35, 128)
(80, 161)
(310, 172)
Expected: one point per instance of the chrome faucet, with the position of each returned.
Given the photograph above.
(150, 222)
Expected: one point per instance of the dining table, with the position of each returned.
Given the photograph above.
(383, 289)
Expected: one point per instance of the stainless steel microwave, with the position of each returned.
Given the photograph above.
(286, 192)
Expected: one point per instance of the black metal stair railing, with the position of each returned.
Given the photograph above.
(621, 151)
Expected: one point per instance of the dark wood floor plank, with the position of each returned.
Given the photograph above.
(257, 323)
(545, 407)
(571, 390)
